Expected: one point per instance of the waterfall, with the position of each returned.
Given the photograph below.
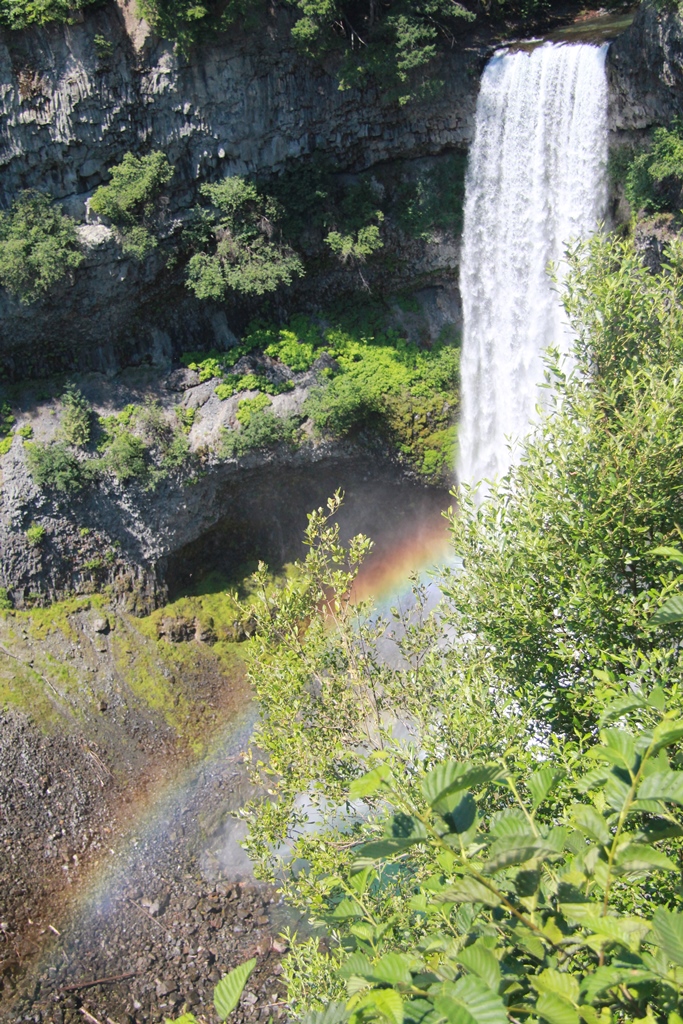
(536, 179)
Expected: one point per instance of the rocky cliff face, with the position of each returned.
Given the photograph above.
(245, 106)
(645, 67)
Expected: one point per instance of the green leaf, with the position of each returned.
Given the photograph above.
(602, 979)
(617, 790)
(618, 708)
(469, 890)
(480, 961)
(541, 783)
(667, 733)
(671, 611)
(531, 942)
(420, 1011)
(358, 964)
(334, 1013)
(384, 848)
(517, 849)
(345, 910)
(555, 1009)
(386, 1002)
(673, 554)
(627, 931)
(227, 992)
(470, 1001)
(510, 822)
(667, 933)
(666, 786)
(392, 969)
(562, 984)
(622, 742)
(454, 776)
(368, 784)
(458, 811)
(637, 857)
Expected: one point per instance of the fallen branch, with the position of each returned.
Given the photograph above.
(89, 1016)
(98, 981)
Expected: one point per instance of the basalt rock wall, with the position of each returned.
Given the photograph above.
(247, 105)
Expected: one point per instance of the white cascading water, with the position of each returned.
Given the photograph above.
(536, 180)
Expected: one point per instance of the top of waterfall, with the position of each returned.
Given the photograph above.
(599, 27)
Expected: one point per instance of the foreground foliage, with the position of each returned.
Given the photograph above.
(486, 823)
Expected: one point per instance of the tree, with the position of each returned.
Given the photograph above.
(77, 417)
(246, 255)
(130, 200)
(38, 246)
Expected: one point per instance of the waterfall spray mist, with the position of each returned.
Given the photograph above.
(536, 180)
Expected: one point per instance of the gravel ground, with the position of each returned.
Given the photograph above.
(161, 914)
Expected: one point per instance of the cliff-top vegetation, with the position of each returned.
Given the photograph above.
(391, 43)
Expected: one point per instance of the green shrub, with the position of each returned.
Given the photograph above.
(104, 48)
(5, 600)
(654, 179)
(7, 419)
(38, 246)
(54, 466)
(189, 22)
(75, 426)
(130, 200)
(17, 14)
(6, 444)
(261, 431)
(435, 200)
(125, 457)
(26, 431)
(177, 452)
(35, 535)
(230, 386)
(186, 418)
(249, 407)
(244, 256)
(291, 350)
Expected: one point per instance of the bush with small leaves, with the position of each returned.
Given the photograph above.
(35, 535)
(76, 423)
(18, 14)
(261, 429)
(654, 178)
(126, 457)
(38, 247)
(5, 600)
(130, 200)
(54, 466)
(247, 254)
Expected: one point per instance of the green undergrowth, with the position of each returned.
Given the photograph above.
(144, 444)
(32, 678)
(370, 378)
(43, 678)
